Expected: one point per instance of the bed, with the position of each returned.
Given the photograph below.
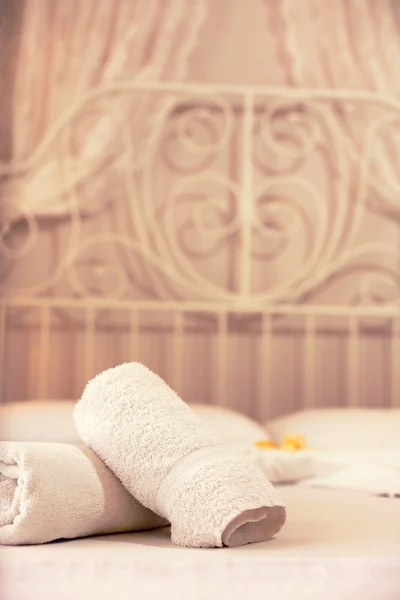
(335, 545)
(190, 290)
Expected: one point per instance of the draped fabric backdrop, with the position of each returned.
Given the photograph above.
(63, 50)
(349, 45)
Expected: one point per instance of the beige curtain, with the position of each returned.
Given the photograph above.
(63, 134)
(352, 45)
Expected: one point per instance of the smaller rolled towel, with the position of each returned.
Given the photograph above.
(167, 458)
(50, 491)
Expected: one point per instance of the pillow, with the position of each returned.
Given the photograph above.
(52, 421)
(341, 428)
(38, 421)
(233, 427)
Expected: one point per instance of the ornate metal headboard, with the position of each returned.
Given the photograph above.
(248, 233)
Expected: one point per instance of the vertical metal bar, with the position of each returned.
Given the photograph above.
(89, 343)
(178, 351)
(266, 367)
(222, 357)
(310, 362)
(246, 200)
(134, 335)
(353, 366)
(44, 352)
(2, 348)
(395, 365)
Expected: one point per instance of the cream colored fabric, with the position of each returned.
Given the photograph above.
(38, 421)
(52, 421)
(350, 551)
(173, 463)
(233, 427)
(372, 471)
(341, 428)
(53, 491)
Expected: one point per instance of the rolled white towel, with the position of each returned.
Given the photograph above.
(50, 491)
(172, 463)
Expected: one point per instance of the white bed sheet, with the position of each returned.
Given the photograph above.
(335, 545)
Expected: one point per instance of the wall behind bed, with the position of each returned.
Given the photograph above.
(239, 235)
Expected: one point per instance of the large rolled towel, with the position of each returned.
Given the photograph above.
(167, 458)
(50, 491)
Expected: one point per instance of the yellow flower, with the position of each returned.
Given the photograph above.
(293, 442)
(290, 443)
(266, 444)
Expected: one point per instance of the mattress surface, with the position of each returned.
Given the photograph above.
(334, 545)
